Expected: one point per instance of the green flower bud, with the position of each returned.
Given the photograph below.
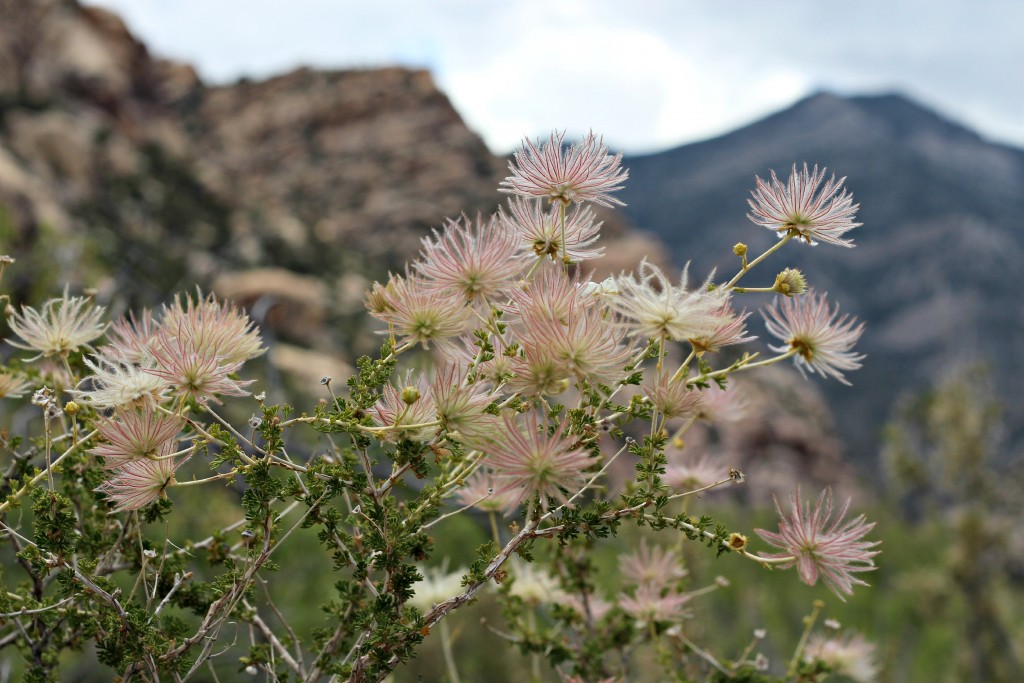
(790, 282)
(410, 395)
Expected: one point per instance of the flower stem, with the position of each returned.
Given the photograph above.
(808, 625)
(771, 250)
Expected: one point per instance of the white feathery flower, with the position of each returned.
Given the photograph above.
(61, 327)
(660, 310)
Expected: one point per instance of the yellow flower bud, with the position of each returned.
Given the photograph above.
(790, 282)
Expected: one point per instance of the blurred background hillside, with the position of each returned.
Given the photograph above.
(127, 172)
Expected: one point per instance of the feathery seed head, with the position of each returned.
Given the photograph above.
(130, 339)
(803, 209)
(821, 545)
(136, 483)
(61, 327)
(850, 655)
(117, 383)
(534, 585)
(478, 259)
(191, 367)
(526, 458)
(585, 171)
(421, 314)
(135, 435)
(823, 340)
(690, 474)
(391, 410)
(652, 604)
(672, 399)
(660, 310)
(12, 386)
(481, 491)
(730, 329)
(655, 566)
(585, 343)
(538, 373)
(435, 587)
(540, 230)
(214, 329)
(460, 407)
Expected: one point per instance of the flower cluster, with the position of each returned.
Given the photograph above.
(510, 381)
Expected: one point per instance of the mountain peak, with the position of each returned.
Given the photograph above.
(891, 114)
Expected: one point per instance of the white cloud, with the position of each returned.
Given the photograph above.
(646, 73)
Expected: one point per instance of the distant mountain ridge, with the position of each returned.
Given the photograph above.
(934, 269)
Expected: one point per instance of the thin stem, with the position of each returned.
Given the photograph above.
(771, 250)
(703, 654)
(742, 365)
(703, 488)
(808, 625)
(683, 367)
(196, 482)
(565, 252)
(35, 480)
(446, 648)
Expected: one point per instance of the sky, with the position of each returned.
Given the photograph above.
(646, 74)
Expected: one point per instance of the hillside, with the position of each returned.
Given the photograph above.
(933, 269)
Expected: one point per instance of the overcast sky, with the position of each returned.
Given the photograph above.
(648, 74)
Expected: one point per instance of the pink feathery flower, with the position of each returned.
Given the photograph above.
(650, 603)
(214, 328)
(823, 341)
(583, 172)
(478, 259)
(660, 310)
(61, 327)
(420, 314)
(137, 483)
(720, 405)
(192, 368)
(803, 209)
(672, 399)
(530, 460)
(820, 545)
(655, 566)
(130, 339)
(540, 230)
(730, 330)
(467, 353)
(134, 435)
(538, 373)
(587, 344)
(850, 655)
(401, 408)
(550, 296)
(460, 406)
